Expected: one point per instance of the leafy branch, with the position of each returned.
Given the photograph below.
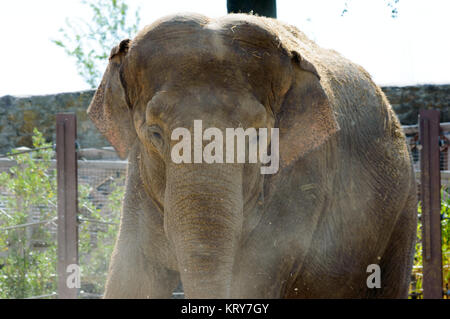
(89, 42)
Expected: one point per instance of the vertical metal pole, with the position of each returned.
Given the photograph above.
(266, 8)
(431, 203)
(66, 165)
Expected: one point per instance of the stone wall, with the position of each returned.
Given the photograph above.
(19, 115)
(407, 101)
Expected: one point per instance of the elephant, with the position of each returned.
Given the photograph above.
(342, 200)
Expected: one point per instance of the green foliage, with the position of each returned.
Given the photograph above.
(445, 235)
(31, 185)
(29, 254)
(90, 42)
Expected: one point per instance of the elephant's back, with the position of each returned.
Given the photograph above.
(371, 176)
(373, 169)
(370, 146)
(368, 156)
(370, 133)
(362, 177)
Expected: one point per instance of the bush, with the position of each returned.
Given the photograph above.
(29, 254)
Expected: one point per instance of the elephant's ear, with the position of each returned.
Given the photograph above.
(305, 119)
(110, 108)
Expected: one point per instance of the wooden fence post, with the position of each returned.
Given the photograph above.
(431, 203)
(66, 165)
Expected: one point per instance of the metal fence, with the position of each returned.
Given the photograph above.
(100, 185)
(430, 278)
(38, 240)
(97, 222)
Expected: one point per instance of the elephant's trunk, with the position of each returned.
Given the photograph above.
(203, 219)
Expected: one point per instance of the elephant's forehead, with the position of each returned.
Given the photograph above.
(255, 30)
(198, 40)
(229, 53)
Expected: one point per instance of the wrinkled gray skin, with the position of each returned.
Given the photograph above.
(343, 198)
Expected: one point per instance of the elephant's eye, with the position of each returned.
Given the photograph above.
(155, 136)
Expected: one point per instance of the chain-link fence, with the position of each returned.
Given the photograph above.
(28, 223)
(101, 187)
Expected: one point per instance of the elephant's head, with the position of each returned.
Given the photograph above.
(228, 73)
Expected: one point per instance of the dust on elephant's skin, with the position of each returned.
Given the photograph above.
(342, 199)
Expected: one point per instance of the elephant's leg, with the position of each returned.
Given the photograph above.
(261, 269)
(133, 275)
(396, 262)
(136, 270)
